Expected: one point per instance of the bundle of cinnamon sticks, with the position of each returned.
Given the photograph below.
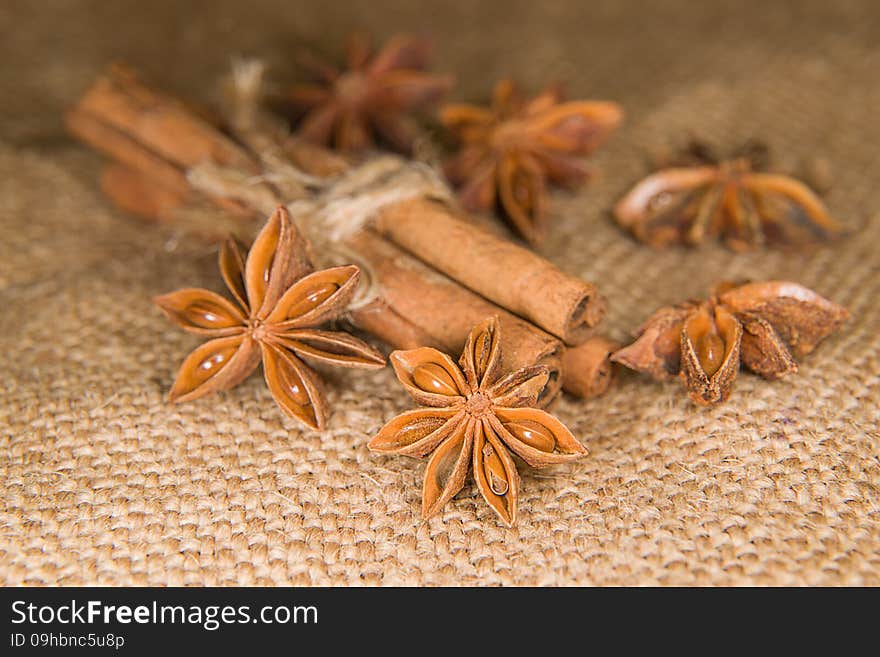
(432, 272)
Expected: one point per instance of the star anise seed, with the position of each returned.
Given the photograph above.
(762, 326)
(373, 98)
(474, 418)
(702, 198)
(279, 303)
(513, 149)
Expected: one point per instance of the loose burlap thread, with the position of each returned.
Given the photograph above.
(105, 483)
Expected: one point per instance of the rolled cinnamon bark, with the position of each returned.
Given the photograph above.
(157, 136)
(164, 138)
(120, 101)
(381, 321)
(136, 193)
(126, 150)
(588, 369)
(415, 306)
(507, 274)
(440, 313)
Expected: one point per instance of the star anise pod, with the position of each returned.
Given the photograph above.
(764, 326)
(511, 150)
(279, 302)
(701, 197)
(474, 416)
(373, 98)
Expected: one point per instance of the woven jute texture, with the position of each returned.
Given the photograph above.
(103, 482)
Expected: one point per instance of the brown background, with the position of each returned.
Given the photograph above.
(104, 483)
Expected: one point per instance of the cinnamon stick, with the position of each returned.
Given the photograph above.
(414, 305)
(119, 101)
(123, 148)
(445, 311)
(383, 322)
(588, 369)
(507, 274)
(153, 134)
(136, 193)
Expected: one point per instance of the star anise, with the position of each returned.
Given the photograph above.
(701, 197)
(511, 150)
(374, 97)
(279, 300)
(764, 326)
(474, 415)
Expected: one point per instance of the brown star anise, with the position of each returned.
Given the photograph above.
(764, 326)
(701, 197)
(510, 151)
(279, 302)
(474, 416)
(373, 97)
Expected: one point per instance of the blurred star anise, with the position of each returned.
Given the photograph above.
(374, 97)
(279, 301)
(474, 416)
(511, 150)
(701, 197)
(764, 326)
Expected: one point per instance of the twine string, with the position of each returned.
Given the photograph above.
(348, 204)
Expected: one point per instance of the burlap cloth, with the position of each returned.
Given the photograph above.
(105, 483)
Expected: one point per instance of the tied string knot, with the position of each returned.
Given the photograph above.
(328, 211)
(349, 202)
